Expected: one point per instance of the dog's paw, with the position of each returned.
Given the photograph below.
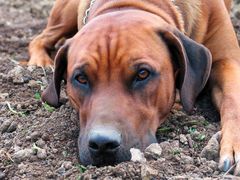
(230, 151)
(228, 146)
(41, 60)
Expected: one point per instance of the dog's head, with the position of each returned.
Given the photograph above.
(121, 78)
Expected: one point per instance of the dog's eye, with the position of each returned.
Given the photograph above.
(142, 74)
(82, 79)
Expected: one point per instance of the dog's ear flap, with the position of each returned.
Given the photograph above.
(194, 63)
(51, 94)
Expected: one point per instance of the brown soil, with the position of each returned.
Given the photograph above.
(38, 142)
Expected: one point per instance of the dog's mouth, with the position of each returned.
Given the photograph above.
(110, 154)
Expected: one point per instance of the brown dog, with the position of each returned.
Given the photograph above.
(123, 66)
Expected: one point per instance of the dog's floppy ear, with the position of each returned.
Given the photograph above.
(51, 94)
(194, 63)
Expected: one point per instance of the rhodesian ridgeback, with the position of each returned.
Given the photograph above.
(124, 62)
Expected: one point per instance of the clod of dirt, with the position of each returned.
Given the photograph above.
(40, 143)
(22, 155)
(42, 153)
(2, 175)
(153, 152)
(5, 125)
(183, 139)
(33, 84)
(212, 164)
(19, 75)
(35, 136)
(186, 159)
(8, 126)
(211, 151)
(137, 155)
(67, 165)
(4, 95)
(148, 173)
(12, 127)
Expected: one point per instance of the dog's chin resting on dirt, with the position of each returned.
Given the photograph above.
(123, 152)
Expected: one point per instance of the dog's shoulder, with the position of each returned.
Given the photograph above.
(191, 11)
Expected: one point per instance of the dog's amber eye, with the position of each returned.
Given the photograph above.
(82, 79)
(142, 74)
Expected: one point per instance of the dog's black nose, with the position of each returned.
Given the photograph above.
(104, 140)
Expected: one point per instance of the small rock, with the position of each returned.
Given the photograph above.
(186, 159)
(22, 168)
(17, 74)
(35, 135)
(166, 147)
(183, 139)
(5, 125)
(153, 151)
(148, 173)
(67, 165)
(40, 143)
(31, 68)
(137, 155)
(211, 151)
(22, 155)
(175, 144)
(33, 84)
(45, 137)
(2, 175)
(42, 154)
(61, 170)
(212, 164)
(4, 95)
(12, 127)
(190, 141)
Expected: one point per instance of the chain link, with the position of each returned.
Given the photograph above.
(87, 12)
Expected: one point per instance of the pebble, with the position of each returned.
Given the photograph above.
(212, 164)
(137, 155)
(12, 127)
(42, 154)
(2, 175)
(33, 84)
(148, 173)
(17, 74)
(22, 168)
(4, 96)
(45, 137)
(153, 151)
(183, 139)
(35, 135)
(67, 165)
(186, 159)
(31, 68)
(211, 150)
(61, 170)
(166, 147)
(40, 143)
(22, 155)
(5, 125)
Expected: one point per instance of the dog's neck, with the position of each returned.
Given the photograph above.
(166, 9)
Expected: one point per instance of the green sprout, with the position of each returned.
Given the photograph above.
(48, 107)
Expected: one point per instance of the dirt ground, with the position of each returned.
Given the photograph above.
(39, 142)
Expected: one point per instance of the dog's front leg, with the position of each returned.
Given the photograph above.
(225, 82)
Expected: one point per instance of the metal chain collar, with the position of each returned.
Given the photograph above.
(87, 12)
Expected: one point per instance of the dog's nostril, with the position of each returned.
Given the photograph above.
(93, 145)
(112, 145)
(104, 141)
